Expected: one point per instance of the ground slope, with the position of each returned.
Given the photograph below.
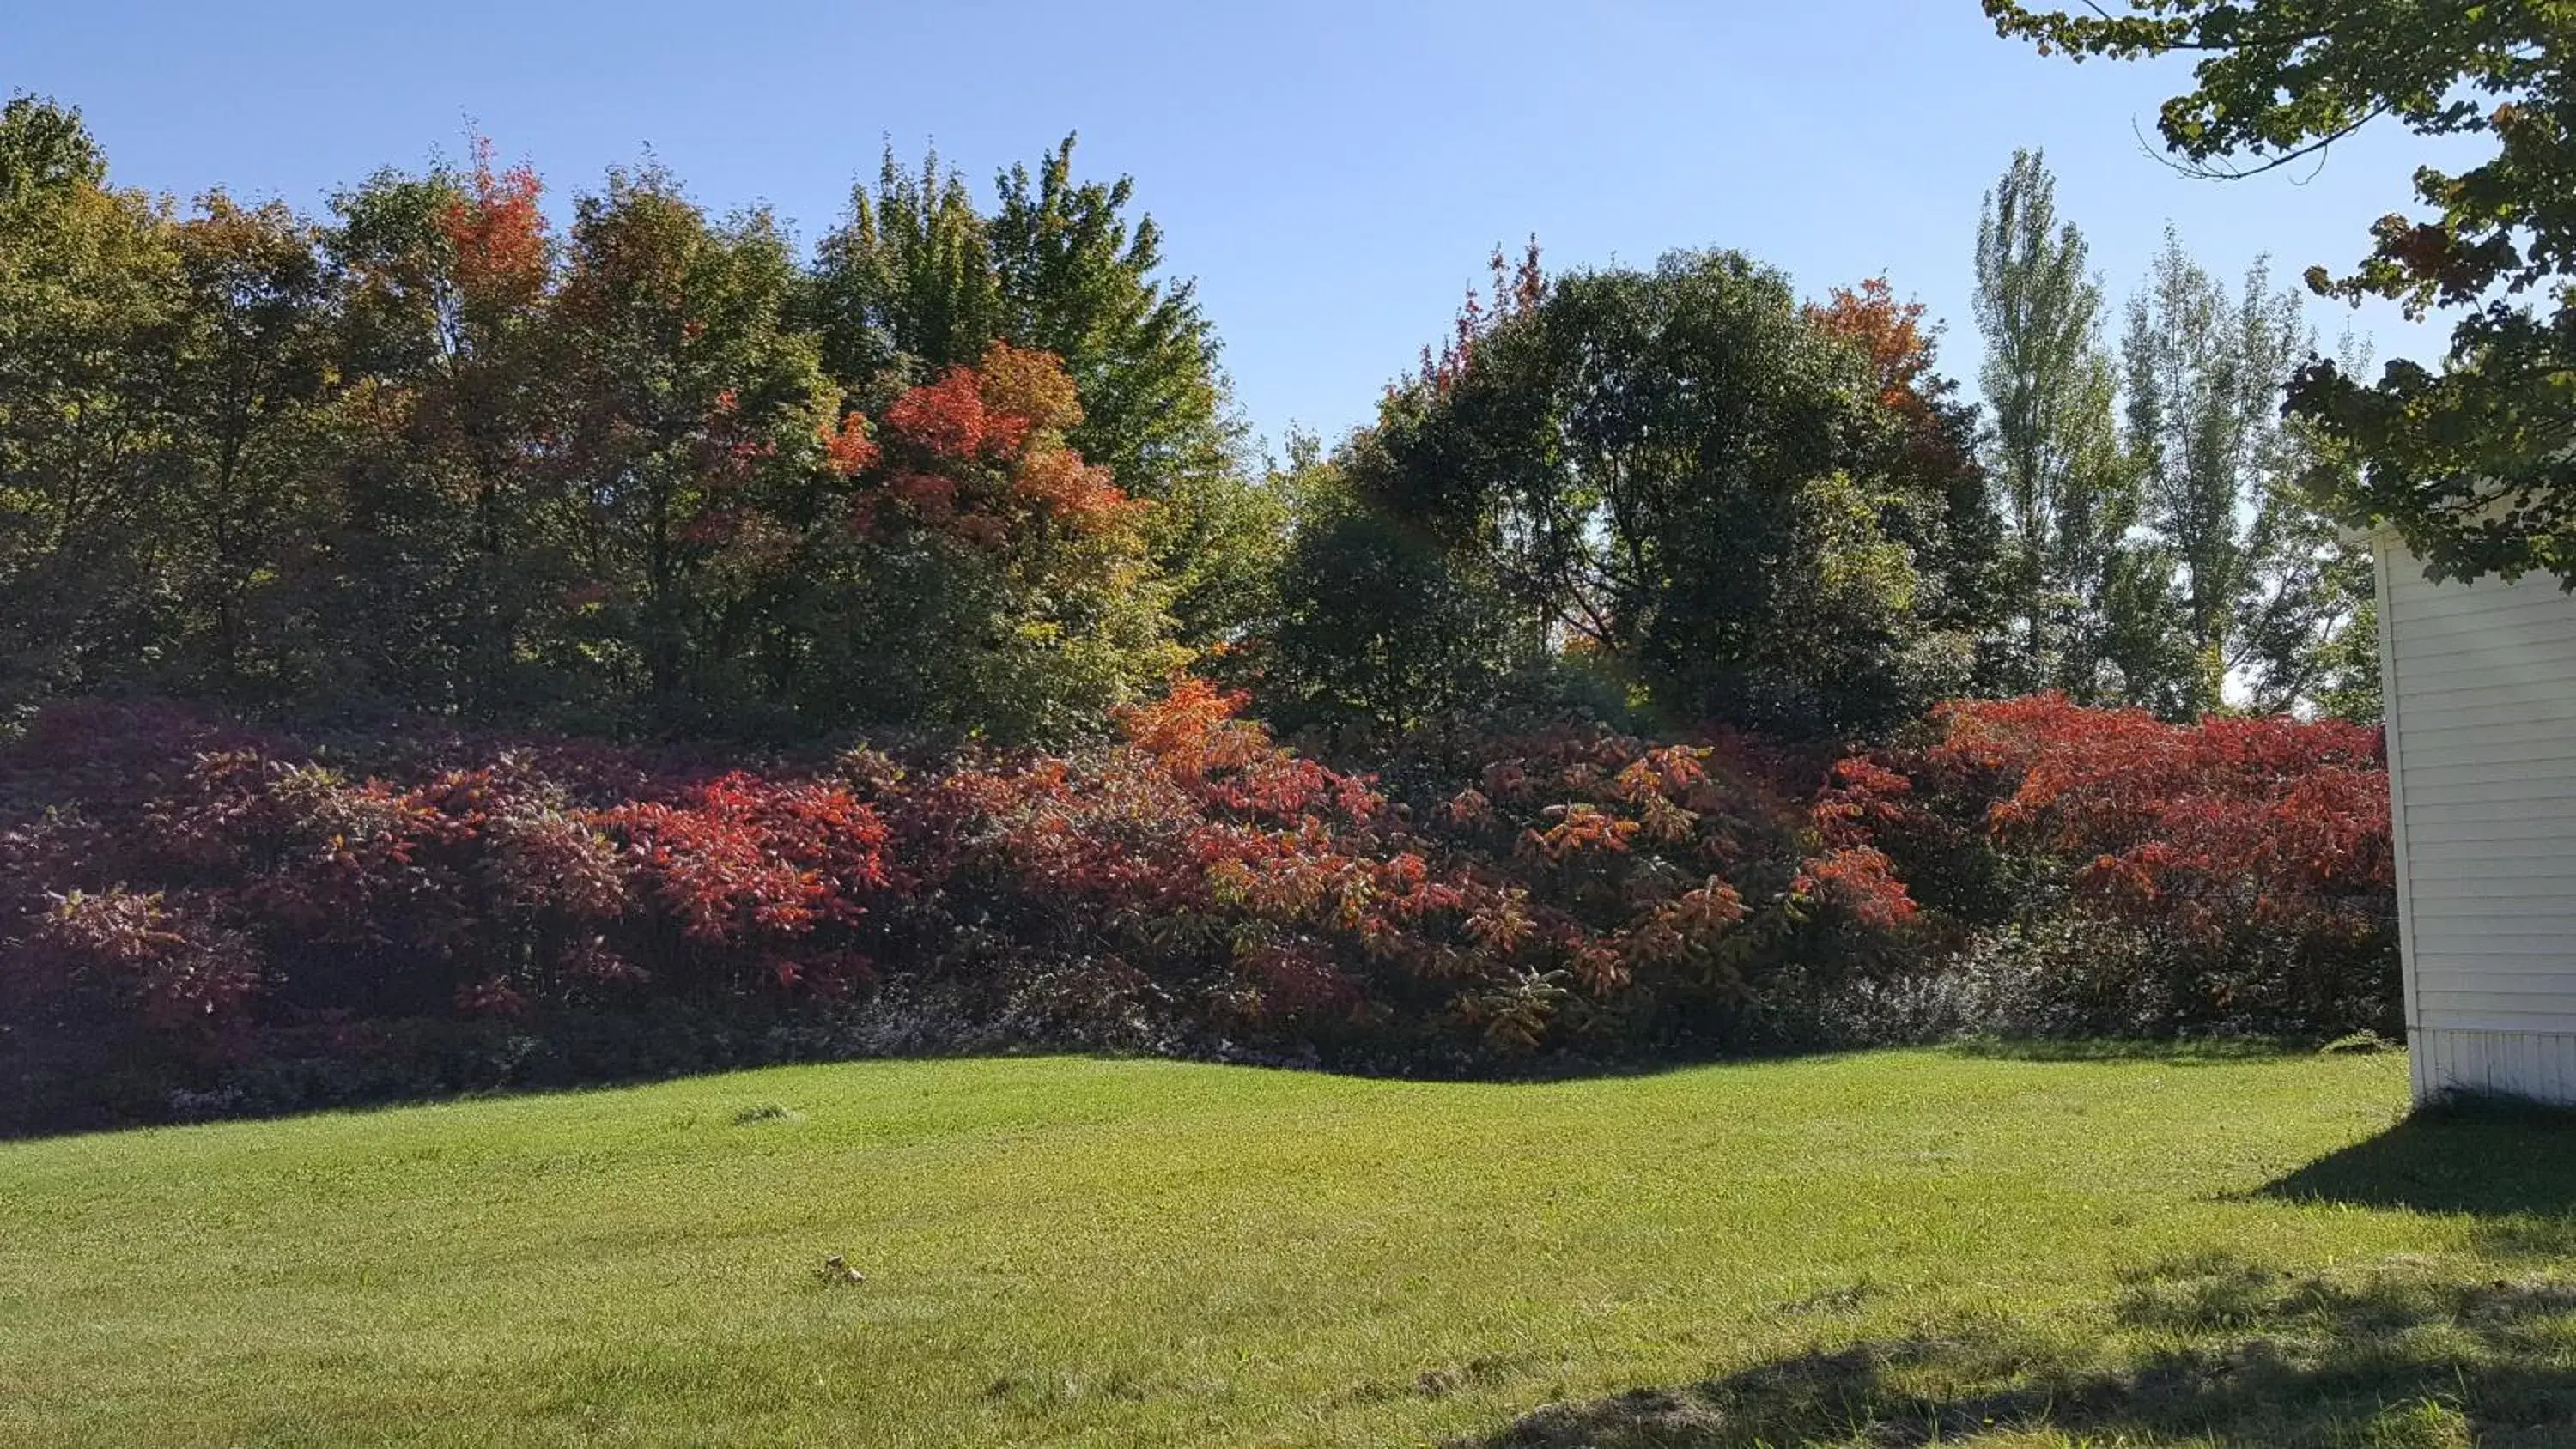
(1070, 1251)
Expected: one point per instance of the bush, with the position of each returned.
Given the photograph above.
(2102, 871)
(210, 919)
(203, 881)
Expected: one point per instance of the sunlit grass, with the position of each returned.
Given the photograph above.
(1072, 1251)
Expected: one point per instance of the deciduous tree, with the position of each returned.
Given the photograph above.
(2069, 494)
(2474, 462)
(90, 278)
(1681, 475)
(2204, 379)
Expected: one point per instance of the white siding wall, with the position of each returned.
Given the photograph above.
(2481, 691)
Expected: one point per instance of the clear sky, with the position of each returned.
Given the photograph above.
(1332, 173)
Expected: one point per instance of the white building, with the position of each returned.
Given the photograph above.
(2480, 684)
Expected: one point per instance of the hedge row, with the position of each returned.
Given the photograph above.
(195, 916)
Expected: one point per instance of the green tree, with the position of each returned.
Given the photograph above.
(696, 417)
(2310, 630)
(45, 150)
(907, 284)
(1680, 475)
(433, 456)
(1079, 280)
(1945, 511)
(90, 281)
(249, 371)
(918, 280)
(2204, 379)
(2088, 602)
(2474, 463)
(1376, 629)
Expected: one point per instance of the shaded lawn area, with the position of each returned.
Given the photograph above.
(1893, 1248)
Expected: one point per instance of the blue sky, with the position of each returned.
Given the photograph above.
(1332, 173)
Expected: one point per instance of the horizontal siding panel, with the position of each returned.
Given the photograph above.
(2487, 819)
(2503, 816)
(2531, 968)
(2445, 614)
(2494, 860)
(2415, 597)
(2504, 730)
(2505, 754)
(2515, 956)
(2434, 669)
(2431, 840)
(2472, 629)
(2491, 699)
(2526, 829)
(2515, 995)
(2446, 629)
(2437, 782)
(2413, 582)
(2450, 904)
(2491, 898)
(2449, 868)
(2439, 940)
(2510, 956)
(2483, 792)
(2550, 991)
(2497, 1011)
(2499, 703)
(2511, 933)
(2484, 747)
(2464, 1017)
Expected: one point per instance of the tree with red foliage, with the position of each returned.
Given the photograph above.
(445, 553)
(497, 233)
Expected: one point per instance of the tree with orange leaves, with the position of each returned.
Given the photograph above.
(986, 578)
(1948, 519)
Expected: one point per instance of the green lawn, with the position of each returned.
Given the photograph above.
(1894, 1248)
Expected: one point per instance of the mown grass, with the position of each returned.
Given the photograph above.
(1895, 1248)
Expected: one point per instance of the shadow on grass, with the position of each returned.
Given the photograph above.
(2205, 1351)
(2486, 1161)
(55, 1090)
(2210, 1052)
(2511, 1168)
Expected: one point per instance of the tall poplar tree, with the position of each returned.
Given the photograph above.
(2474, 462)
(2204, 387)
(2069, 495)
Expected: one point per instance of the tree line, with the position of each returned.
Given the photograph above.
(970, 469)
(1682, 489)
(652, 473)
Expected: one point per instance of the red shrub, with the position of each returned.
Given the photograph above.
(2256, 850)
(179, 967)
(745, 861)
(1189, 883)
(200, 871)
